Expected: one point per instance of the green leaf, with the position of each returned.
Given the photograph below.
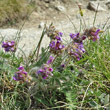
(106, 101)
(93, 103)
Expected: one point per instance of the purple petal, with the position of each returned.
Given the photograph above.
(50, 69)
(58, 38)
(51, 58)
(14, 78)
(21, 68)
(78, 58)
(63, 65)
(58, 41)
(98, 37)
(9, 44)
(60, 46)
(83, 37)
(40, 71)
(83, 50)
(98, 30)
(72, 35)
(60, 34)
(52, 44)
(24, 72)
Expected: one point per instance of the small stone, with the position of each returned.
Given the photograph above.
(60, 8)
(41, 25)
(93, 6)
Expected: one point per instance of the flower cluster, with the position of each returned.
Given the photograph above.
(92, 33)
(9, 46)
(77, 37)
(76, 50)
(50, 60)
(46, 69)
(21, 75)
(56, 45)
(52, 32)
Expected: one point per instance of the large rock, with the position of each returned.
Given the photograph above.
(108, 4)
(92, 5)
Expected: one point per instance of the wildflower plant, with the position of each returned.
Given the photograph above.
(75, 76)
(55, 74)
(21, 75)
(92, 33)
(46, 69)
(9, 46)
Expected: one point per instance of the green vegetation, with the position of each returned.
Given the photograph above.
(81, 83)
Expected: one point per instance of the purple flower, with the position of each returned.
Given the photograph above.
(92, 33)
(7, 49)
(9, 46)
(20, 75)
(78, 58)
(56, 46)
(21, 68)
(50, 69)
(60, 34)
(58, 38)
(76, 50)
(96, 38)
(63, 65)
(77, 38)
(50, 60)
(45, 71)
(73, 36)
(95, 35)
(84, 37)
(52, 44)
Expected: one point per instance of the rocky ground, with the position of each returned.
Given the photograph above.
(63, 13)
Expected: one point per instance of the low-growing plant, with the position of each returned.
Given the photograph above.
(72, 76)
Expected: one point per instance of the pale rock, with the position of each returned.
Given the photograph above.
(92, 5)
(41, 25)
(60, 8)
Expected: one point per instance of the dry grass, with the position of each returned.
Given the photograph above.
(12, 11)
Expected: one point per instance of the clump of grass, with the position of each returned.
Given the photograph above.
(12, 11)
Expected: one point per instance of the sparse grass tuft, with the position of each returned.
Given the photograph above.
(12, 11)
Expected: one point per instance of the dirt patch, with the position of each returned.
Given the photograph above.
(43, 10)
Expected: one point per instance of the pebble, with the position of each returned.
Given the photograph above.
(41, 25)
(60, 8)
